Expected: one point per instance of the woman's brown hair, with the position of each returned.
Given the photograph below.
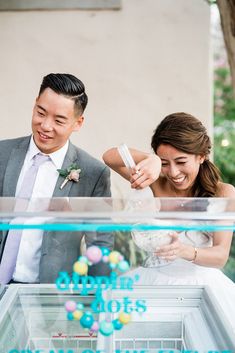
(187, 134)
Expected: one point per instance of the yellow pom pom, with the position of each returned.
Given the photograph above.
(124, 318)
(80, 267)
(114, 257)
(77, 314)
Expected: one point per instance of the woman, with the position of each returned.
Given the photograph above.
(181, 168)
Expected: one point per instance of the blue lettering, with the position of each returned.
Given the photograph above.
(223, 351)
(132, 351)
(75, 280)
(98, 305)
(113, 306)
(140, 306)
(88, 283)
(137, 277)
(63, 281)
(102, 283)
(126, 303)
(126, 283)
(113, 280)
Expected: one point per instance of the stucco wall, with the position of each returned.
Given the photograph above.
(138, 64)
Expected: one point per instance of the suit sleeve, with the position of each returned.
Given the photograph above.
(101, 239)
(102, 187)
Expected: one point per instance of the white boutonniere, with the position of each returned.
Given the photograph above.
(72, 173)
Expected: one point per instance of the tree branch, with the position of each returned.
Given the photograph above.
(227, 17)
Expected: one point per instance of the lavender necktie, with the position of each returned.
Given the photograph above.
(11, 249)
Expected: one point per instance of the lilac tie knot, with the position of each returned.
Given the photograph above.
(30, 176)
(39, 159)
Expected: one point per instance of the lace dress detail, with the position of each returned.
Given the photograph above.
(182, 272)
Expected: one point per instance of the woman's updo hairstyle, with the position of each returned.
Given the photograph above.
(187, 134)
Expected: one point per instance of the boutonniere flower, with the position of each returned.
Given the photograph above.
(72, 173)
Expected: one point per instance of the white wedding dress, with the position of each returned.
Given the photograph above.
(182, 272)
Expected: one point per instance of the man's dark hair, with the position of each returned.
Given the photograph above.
(69, 86)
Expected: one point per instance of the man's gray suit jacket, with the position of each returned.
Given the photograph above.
(59, 250)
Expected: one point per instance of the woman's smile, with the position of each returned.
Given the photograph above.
(178, 181)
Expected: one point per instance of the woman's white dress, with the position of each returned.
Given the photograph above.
(182, 272)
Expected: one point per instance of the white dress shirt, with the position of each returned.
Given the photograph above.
(28, 259)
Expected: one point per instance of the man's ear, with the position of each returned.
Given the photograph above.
(79, 122)
(35, 104)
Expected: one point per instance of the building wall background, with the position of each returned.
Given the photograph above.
(147, 60)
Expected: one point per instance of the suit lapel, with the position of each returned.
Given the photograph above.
(70, 158)
(14, 166)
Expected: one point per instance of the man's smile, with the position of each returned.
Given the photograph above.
(43, 136)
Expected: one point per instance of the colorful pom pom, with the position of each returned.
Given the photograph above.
(87, 320)
(94, 254)
(114, 257)
(70, 306)
(124, 318)
(117, 324)
(80, 268)
(106, 328)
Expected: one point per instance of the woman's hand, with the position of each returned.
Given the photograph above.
(172, 251)
(176, 249)
(146, 172)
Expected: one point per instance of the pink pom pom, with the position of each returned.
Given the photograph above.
(95, 327)
(70, 306)
(94, 254)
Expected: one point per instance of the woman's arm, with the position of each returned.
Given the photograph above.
(146, 171)
(215, 256)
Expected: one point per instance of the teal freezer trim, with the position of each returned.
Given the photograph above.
(106, 227)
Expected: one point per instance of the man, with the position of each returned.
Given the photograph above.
(58, 111)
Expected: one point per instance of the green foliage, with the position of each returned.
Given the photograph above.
(224, 151)
(224, 100)
(224, 139)
(224, 120)
(126, 246)
(229, 269)
(65, 172)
